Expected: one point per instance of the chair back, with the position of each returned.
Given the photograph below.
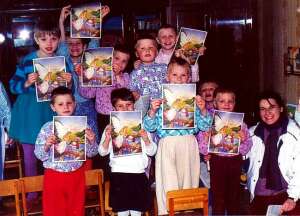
(17, 162)
(11, 188)
(31, 184)
(187, 199)
(95, 177)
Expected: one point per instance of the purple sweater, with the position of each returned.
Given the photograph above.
(102, 94)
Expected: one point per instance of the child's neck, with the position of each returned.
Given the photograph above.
(148, 63)
(76, 59)
(166, 52)
(41, 54)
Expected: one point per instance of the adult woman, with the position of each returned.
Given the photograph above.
(274, 171)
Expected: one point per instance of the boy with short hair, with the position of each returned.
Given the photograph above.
(28, 115)
(64, 183)
(206, 90)
(147, 79)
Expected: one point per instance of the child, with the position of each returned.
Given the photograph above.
(28, 115)
(64, 183)
(206, 90)
(121, 57)
(225, 170)
(177, 161)
(5, 116)
(129, 189)
(73, 49)
(147, 79)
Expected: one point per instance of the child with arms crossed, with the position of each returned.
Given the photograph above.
(129, 189)
(177, 164)
(64, 182)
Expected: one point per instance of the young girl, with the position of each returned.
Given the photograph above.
(129, 190)
(177, 160)
(64, 182)
(28, 115)
(225, 170)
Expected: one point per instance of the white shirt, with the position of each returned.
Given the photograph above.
(128, 164)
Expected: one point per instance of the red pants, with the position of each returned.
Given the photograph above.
(88, 164)
(64, 193)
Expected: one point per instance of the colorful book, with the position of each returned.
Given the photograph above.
(71, 136)
(225, 132)
(49, 72)
(86, 21)
(178, 106)
(97, 67)
(126, 139)
(188, 44)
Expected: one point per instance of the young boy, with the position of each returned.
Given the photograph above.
(64, 183)
(28, 115)
(177, 163)
(129, 189)
(206, 90)
(167, 38)
(225, 169)
(147, 79)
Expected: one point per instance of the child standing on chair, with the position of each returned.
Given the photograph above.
(129, 187)
(177, 164)
(64, 182)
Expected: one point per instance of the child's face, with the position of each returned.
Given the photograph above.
(225, 102)
(207, 91)
(167, 38)
(178, 74)
(121, 59)
(146, 50)
(47, 44)
(122, 105)
(63, 105)
(76, 47)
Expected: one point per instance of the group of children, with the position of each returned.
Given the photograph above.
(177, 163)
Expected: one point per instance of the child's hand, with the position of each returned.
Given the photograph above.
(207, 157)
(137, 64)
(201, 104)
(242, 135)
(32, 77)
(65, 12)
(51, 140)
(179, 54)
(144, 136)
(108, 131)
(90, 135)
(155, 104)
(67, 77)
(104, 10)
(116, 69)
(202, 50)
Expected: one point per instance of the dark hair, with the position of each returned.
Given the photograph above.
(46, 26)
(122, 48)
(167, 26)
(267, 95)
(181, 62)
(61, 90)
(121, 94)
(145, 36)
(222, 90)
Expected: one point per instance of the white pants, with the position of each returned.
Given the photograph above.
(177, 166)
(132, 213)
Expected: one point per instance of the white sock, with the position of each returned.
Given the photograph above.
(123, 213)
(135, 213)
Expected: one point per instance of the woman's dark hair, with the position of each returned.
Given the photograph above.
(121, 94)
(267, 95)
(61, 90)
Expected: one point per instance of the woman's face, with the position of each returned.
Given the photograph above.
(269, 111)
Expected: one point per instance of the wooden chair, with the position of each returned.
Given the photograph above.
(31, 184)
(17, 162)
(95, 177)
(187, 199)
(107, 208)
(11, 188)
